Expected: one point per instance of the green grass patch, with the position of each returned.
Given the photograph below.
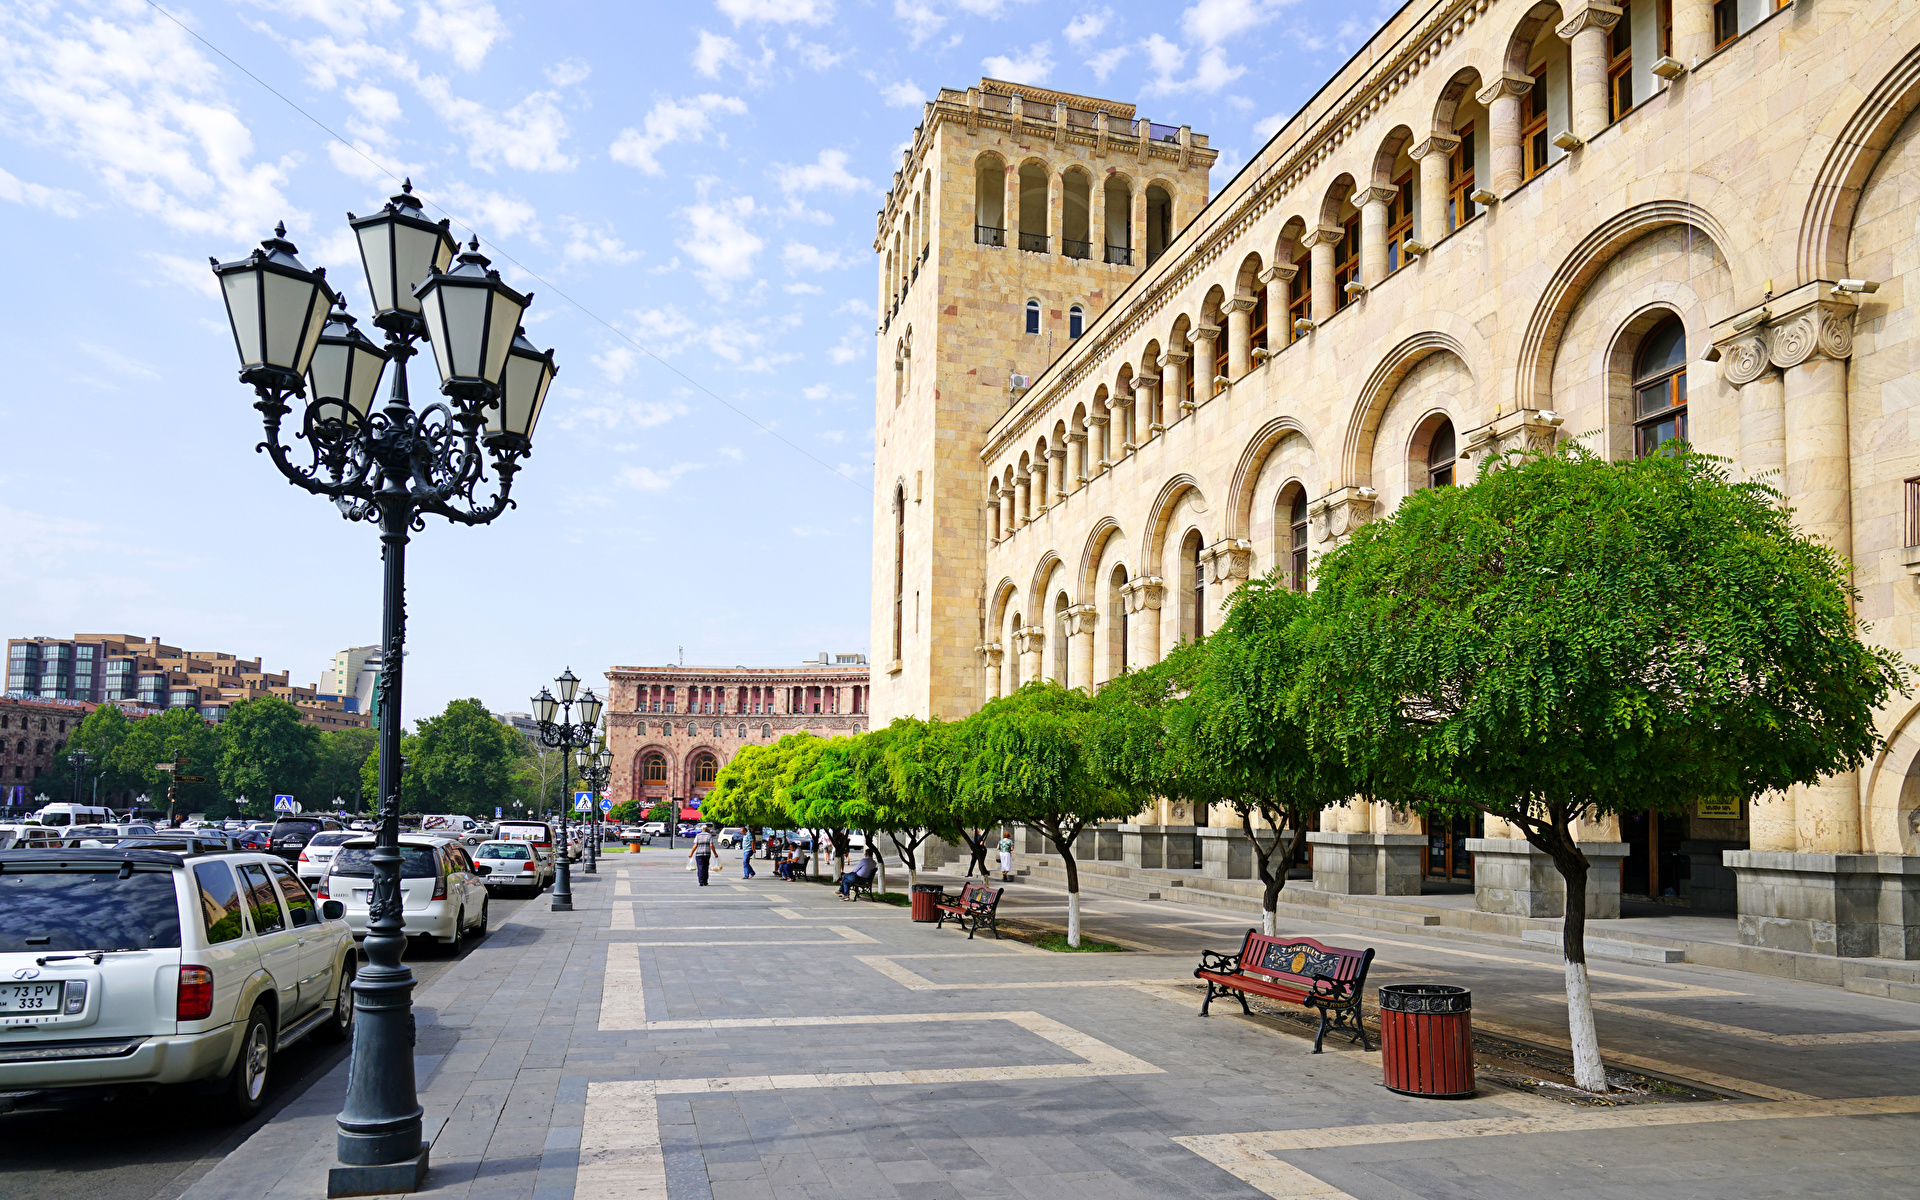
(1058, 942)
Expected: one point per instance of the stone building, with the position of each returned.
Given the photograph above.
(672, 728)
(32, 732)
(1502, 223)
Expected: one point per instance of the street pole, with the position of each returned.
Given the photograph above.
(565, 736)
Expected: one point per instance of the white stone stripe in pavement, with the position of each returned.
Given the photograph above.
(1760, 1035)
(920, 983)
(1251, 1156)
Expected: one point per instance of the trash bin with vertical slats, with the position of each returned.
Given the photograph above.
(1426, 1039)
(925, 896)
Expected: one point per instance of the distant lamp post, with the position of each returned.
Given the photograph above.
(81, 760)
(596, 767)
(390, 466)
(565, 736)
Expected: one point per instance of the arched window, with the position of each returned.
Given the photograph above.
(1033, 316)
(1117, 623)
(1441, 453)
(989, 203)
(1196, 581)
(1159, 222)
(1620, 67)
(1346, 261)
(666, 730)
(1076, 238)
(1033, 208)
(1076, 321)
(1460, 186)
(1119, 231)
(655, 769)
(1297, 540)
(766, 731)
(899, 566)
(743, 733)
(1061, 671)
(704, 768)
(1013, 660)
(1660, 387)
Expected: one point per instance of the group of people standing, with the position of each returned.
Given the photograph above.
(705, 846)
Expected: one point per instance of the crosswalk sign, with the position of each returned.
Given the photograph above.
(583, 802)
(284, 804)
(496, 812)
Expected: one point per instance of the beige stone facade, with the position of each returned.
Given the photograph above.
(1503, 223)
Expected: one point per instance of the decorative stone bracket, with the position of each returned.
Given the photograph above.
(1532, 429)
(1338, 513)
(1814, 320)
(1028, 639)
(1227, 559)
(991, 652)
(1143, 593)
(1081, 619)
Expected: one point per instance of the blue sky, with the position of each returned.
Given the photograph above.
(688, 190)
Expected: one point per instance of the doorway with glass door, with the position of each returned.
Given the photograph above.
(1446, 859)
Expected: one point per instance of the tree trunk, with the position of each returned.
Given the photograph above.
(1584, 1038)
(976, 850)
(906, 853)
(1063, 842)
(1282, 845)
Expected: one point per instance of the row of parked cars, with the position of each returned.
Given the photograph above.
(164, 958)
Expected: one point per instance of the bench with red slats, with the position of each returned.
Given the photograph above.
(1295, 969)
(976, 903)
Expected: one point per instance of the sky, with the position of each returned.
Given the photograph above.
(688, 190)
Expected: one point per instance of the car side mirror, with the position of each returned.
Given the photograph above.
(332, 910)
(482, 869)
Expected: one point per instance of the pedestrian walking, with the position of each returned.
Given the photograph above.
(746, 858)
(702, 852)
(1006, 856)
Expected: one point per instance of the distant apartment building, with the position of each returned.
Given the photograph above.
(672, 728)
(97, 668)
(522, 724)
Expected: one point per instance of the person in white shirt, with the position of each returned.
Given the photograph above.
(702, 852)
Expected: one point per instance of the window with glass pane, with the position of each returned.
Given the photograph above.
(1534, 145)
(1660, 388)
(1257, 322)
(1297, 517)
(1346, 261)
(1399, 222)
(1620, 65)
(1440, 456)
(1460, 208)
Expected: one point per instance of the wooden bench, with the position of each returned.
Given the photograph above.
(1295, 969)
(976, 903)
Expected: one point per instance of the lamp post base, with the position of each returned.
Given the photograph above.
(407, 1175)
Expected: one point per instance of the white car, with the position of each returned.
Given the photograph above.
(442, 896)
(131, 968)
(513, 864)
(318, 852)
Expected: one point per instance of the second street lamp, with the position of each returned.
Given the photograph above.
(565, 736)
(391, 467)
(595, 764)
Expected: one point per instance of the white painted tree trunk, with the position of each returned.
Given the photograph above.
(1587, 1070)
(1073, 919)
(1268, 921)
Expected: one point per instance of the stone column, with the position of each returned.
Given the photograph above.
(1121, 404)
(1096, 220)
(1373, 233)
(1033, 643)
(1811, 343)
(1433, 156)
(1059, 456)
(1010, 208)
(1173, 379)
(1081, 620)
(1146, 388)
(1037, 492)
(1021, 507)
(1502, 98)
(1204, 353)
(1079, 443)
(1692, 30)
(993, 516)
(1143, 595)
(1320, 243)
(1097, 432)
(1140, 217)
(1588, 29)
(990, 655)
(1239, 336)
(1276, 280)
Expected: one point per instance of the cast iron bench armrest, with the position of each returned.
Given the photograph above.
(1213, 960)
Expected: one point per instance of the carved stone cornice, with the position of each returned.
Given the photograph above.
(1146, 381)
(1144, 593)
(1505, 85)
(1081, 619)
(991, 652)
(1173, 357)
(1377, 195)
(1744, 357)
(1205, 333)
(1028, 639)
(1529, 429)
(1594, 16)
(1322, 234)
(1227, 560)
(1284, 272)
(1437, 144)
(1239, 304)
(1819, 327)
(1338, 513)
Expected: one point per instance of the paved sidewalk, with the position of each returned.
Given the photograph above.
(759, 1040)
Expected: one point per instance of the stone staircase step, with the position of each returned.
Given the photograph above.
(1608, 947)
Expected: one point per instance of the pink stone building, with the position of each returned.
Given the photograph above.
(672, 728)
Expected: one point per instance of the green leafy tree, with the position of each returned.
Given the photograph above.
(156, 738)
(626, 810)
(1570, 636)
(267, 750)
(462, 761)
(1025, 756)
(409, 784)
(336, 774)
(921, 764)
(100, 735)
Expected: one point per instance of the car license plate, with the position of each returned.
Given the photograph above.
(363, 895)
(31, 997)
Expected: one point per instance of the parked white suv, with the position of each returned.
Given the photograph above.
(442, 893)
(137, 967)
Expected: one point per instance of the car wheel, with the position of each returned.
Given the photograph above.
(480, 926)
(459, 932)
(246, 1090)
(340, 1028)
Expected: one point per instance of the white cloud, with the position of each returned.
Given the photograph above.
(1163, 56)
(376, 105)
(1032, 67)
(615, 364)
(593, 243)
(494, 213)
(463, 29)
(856, 308)
(58, 201)
(350, 18)
(568, 72)
(719, 240)
(1087, 26)
(905, 94)
(526, 137)
(777, 12)
(732, 452)
(804, 289)
(647, 479)
(799, 256)
(712, 53)
(813, 55)
(1103, 63)
(668, 122)
(1210, 74)
(817, 392)
(828, 170)
(1211, 22)
(814, 531)
(188, 273)
(328, 62)
(855, 344)
(921, 19)
(611, 412)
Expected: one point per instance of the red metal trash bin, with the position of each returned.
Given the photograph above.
(925, 896)
(1426, 1039)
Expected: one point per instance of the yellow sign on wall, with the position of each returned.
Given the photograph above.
(1718, 809)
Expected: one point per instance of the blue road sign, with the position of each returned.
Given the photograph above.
(496, 812)
(606, 805)
(583, 802)
(283, 804)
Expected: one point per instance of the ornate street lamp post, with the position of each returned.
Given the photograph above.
(565, 736)
(596, 767)
(391, 467)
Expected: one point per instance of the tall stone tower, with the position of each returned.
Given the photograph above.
(1017, 216)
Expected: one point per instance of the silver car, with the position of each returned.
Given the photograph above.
(515, 866)
(442, 896)
(318, 852)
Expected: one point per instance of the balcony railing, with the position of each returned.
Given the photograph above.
(1075, 249)
(1120, 255)
(1037, 242)
(989, 235)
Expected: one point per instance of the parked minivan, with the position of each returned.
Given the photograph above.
(59, 816)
